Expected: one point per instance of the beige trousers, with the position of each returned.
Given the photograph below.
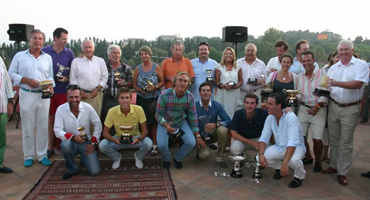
(219, 135)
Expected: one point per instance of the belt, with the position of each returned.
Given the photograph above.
(86, 91)
(32, 91)
(346, 104)
(311, 106)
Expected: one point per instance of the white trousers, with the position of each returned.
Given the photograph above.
(34, 115)
(275, 159)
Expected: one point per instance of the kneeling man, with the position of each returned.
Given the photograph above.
(289, 148)
(127, 115)
(70, 117)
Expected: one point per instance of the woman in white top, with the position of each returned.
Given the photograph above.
(227, 73)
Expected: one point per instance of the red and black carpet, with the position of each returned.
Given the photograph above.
(127, 182)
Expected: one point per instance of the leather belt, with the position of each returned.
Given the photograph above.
(346, 104)
(32, 91)
(311, 106)
(86, 91)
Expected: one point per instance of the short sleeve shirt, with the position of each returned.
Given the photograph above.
(170, 68)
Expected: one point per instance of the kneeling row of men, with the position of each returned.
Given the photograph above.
(172, 105)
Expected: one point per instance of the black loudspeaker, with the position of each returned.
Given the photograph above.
(234, 34)
(19, 32)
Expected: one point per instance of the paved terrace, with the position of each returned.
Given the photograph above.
(196, 179)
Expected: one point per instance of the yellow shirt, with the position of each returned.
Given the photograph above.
(115, 117)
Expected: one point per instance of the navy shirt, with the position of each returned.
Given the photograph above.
(249, 128)
(215, 110)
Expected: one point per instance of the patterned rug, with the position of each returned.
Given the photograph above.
(127, 182)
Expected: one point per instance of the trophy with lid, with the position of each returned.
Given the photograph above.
(83, 136)
(126, 137)
(45, 89)
(323, 89)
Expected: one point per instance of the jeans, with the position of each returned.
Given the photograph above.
(110, 148)
(90, 162)
(162, 143)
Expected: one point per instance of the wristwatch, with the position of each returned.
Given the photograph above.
(218, 124)
(156, 87)
(198, 135)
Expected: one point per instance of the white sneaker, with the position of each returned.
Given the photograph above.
(117, 163)
(138, 162)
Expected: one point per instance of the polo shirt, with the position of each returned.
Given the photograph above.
(249, 128)
(65, 58)
(201, 75)
(170, 68)
(116, 118)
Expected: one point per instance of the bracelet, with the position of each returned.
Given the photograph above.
(318, 106)
(260, 154)
(139, 139)
(198, 135)
(219, 85)
(11, 101)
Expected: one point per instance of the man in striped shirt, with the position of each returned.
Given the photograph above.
(172, 105)
(312, 111)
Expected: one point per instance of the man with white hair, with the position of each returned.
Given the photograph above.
(125, 79)
(252, 69)
(346, 79)
(28, 69)
(90, 74)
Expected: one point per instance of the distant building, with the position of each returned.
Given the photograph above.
(168, 37)
(132, 40)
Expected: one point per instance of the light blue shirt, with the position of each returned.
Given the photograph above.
(287, 134)
(201, 75)
(297, 67)
(26, 65)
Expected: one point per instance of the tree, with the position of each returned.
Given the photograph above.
(272, 35)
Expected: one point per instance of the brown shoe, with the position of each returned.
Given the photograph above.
(329, 170)
(362, 121)
(342, 180)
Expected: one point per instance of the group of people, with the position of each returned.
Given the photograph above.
(91, 98)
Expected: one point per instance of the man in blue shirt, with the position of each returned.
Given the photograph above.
(200, 65)
(247, 125)
(208, 112)
(289, 148)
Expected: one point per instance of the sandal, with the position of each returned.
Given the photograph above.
(154, 150)
(324, 158)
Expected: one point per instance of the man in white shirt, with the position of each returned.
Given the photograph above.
(28, 69)
(289, 148)
(91, 74)
(312, 111)
(252, 67)
(346, 79)
(274, 63)
(69, 118)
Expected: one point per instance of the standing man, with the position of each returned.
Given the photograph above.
(312, 111)
(346, 79)
(252, 67)
(68, 119)
(200, 65)
(177, 63)
(289, 148)
(208, 112)
(91, 75)
(6, 109)
(274, 63)
(62, 57)
(300, 47)
(28, 69)
(126, 114)
(247, 125)
(170, 114)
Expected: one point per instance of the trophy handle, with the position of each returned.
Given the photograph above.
(284, 91)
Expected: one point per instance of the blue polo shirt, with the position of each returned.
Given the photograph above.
(64, 58)
(249, 128)
(215, 110)
(201, 75)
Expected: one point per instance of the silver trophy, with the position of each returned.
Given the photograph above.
(237, 171)
(209, 78)
(257, 172)
(61, 70)
(220, 159)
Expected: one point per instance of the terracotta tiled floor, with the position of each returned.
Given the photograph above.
(196, 179)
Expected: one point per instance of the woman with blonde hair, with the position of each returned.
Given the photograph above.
(228, 80)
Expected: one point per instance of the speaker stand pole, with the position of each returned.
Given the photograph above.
(236, 50)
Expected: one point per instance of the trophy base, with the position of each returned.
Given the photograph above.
(321, 92)
(208, 138)
(210, 80)
(292, 102)
(177, 136)
(252, 81)
(125, 141)
(46, 96)
(236, 174)
(257, 175)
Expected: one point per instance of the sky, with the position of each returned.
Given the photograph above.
(148, 19)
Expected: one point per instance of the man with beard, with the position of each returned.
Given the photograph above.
(28, 69)
(200, 65)
(62, 57)
(252, 68)
(289, 148)
(346, 79)
(69, 118)
(177, 63)
(170, 114)
(90, 73)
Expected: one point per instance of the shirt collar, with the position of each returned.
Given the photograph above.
(209, 104)
(92, 59)
(119, 112)
(314, 71)
(256, 113)
(353, 61)
(201, 61)
(80, 107)
(172, 60)
(28, 52)
(51, 49)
